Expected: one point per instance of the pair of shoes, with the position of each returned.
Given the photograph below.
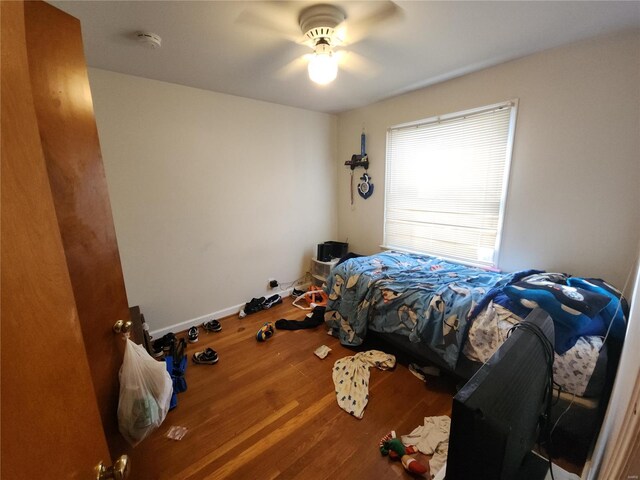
(265, 332)
(192, 334)
(255, 305)
(163, 344)
(206, 357)
(212, 326)
(271, 301)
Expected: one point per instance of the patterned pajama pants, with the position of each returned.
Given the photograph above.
(351, 379)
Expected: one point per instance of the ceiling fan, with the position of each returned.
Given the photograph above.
(326, 28)
(319, 23)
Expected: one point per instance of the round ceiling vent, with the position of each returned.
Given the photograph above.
(149, 40)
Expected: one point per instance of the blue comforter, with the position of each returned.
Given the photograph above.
(422, 297)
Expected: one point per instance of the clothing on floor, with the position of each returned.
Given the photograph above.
(312, 320)
(422, 372)
(432, 438)
(351, 379)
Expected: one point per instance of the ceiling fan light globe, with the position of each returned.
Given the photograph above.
(323, 68)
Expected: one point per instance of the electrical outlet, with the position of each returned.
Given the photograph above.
(273, 283)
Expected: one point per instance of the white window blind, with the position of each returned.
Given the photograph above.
(446, 181)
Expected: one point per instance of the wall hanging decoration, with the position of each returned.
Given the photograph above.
(365, 188)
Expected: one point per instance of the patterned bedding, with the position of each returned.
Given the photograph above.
(424, 298)
(572, 370)
(430, 300)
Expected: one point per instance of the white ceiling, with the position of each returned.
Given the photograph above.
(232, 47)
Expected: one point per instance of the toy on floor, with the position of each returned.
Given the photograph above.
(392, 446)
(412, 465)
(314, 297)
(265, 332)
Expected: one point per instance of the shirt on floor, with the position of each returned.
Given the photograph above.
(351, 379)
(432, 438)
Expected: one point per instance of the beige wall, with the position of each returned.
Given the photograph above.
(574, 194)
(212, 194)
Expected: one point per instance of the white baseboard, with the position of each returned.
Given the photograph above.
(225, 312)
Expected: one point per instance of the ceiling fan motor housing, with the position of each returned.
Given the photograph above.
(319, 21)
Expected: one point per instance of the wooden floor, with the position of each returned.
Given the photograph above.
(268, 410)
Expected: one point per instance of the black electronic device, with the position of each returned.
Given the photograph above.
(329, 250)
(496, 416)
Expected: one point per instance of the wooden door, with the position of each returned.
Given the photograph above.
(50, 421)
(67, 127)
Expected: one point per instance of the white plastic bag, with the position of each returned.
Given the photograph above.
(145, 393)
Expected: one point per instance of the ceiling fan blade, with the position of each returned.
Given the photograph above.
(275, 18)
(361, 26)
(294, 67)
(355, 63)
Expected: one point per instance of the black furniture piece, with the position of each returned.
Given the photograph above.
(497, 416)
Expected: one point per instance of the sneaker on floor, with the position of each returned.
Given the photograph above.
(206, 357)
(265, 333)
(157, 352)
(296, 293)
(271, 301)
(212, 326)
(255, 305)
(163, 343)
(192, 334)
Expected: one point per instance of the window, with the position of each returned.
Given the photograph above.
(446, 184)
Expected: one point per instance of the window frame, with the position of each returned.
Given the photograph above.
(513, 104)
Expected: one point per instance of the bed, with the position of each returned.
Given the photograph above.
(456, 316)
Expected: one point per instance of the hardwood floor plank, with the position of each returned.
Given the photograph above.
(236, 442)
(272, 439)
(314, 452)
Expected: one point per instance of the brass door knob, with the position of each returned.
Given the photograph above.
(119, 470)
(122, 327)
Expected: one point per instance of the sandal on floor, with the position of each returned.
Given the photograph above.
(212, 326)
(265, 332)
(206, 357)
